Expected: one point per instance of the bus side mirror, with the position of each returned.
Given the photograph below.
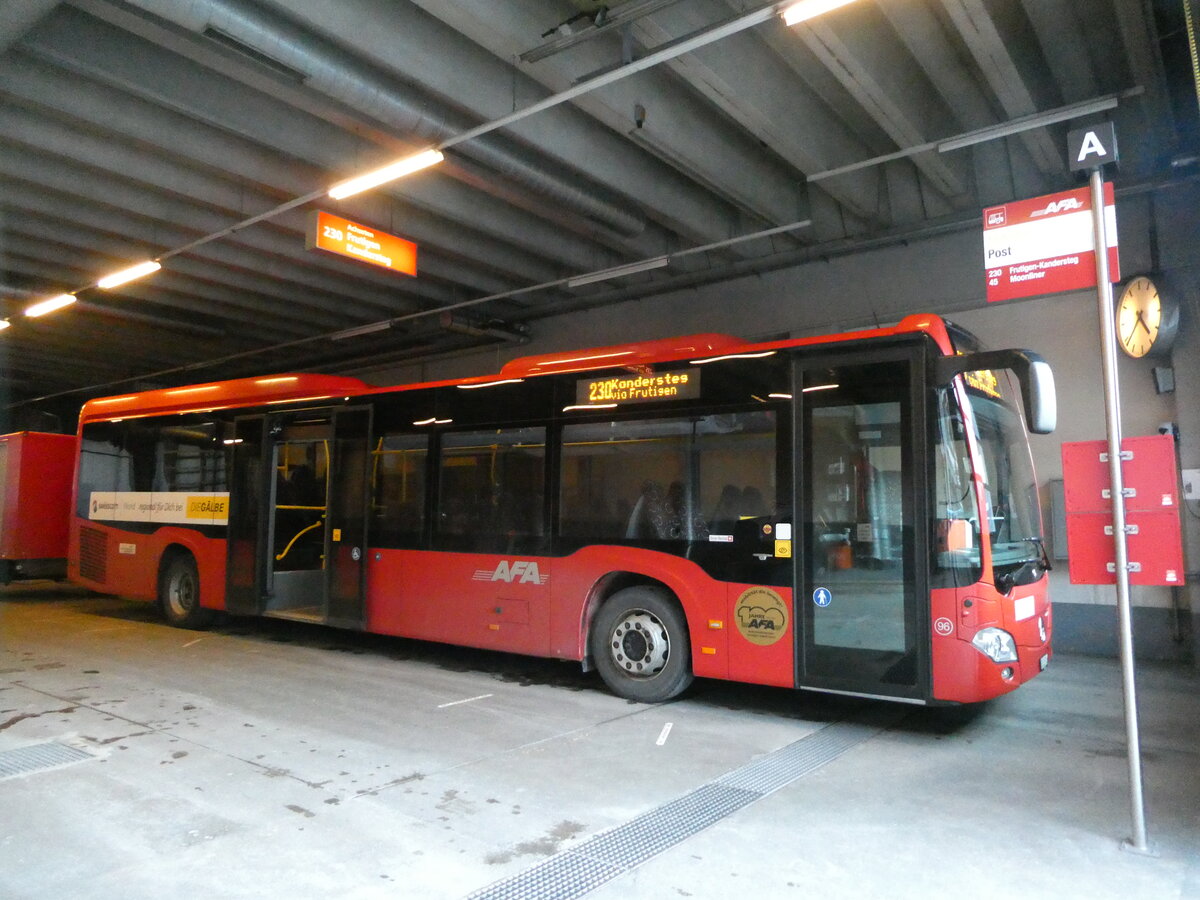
(1041, 404)
(1033, 373)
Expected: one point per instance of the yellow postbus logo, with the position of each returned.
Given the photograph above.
(207, 507)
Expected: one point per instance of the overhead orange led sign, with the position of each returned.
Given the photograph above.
(370, 245)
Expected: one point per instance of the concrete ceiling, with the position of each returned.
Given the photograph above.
(131, 129)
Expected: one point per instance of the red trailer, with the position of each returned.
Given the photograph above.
(35, 508)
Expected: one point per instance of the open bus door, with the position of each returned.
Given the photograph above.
(298, 514)
(861, 573)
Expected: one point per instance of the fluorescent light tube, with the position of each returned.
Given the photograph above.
(4, 323)
(475, 387)
(618, 271)
(809, 9)
(116, 279)
(712, 359)
(47, 306)
(361, 330)
(398, 169)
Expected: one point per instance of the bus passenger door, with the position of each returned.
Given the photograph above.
(349, 493)
(249, 497)
(861, 576)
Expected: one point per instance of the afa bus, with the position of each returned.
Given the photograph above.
(854, 513)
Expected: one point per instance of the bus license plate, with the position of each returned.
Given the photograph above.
(1045, 661)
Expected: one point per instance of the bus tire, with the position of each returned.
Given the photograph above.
(179, 594)
(640, 645)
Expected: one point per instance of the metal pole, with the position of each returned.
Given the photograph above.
(1112, 415)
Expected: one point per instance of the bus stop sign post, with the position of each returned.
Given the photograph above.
(1088, 150)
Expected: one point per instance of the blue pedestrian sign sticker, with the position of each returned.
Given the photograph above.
(822, 597)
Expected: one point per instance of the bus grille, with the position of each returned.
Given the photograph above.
(93, 554)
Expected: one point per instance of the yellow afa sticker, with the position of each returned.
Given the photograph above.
(783, 549)
(762, 616)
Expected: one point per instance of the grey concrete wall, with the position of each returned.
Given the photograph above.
(1158, 232)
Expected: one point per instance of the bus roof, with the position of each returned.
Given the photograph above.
(296, 388)
(287, 388)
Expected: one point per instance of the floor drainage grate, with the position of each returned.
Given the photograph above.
(38, 757)
(577, 871)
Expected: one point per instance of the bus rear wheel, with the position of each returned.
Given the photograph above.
(179, 594)
(640, 645)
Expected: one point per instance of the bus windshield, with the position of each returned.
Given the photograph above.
(1010, 488)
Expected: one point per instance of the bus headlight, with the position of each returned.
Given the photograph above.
(996, 645)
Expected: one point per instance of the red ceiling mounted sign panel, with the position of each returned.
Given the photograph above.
(369, 245)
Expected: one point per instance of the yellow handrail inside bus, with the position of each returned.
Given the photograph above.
(302, 531)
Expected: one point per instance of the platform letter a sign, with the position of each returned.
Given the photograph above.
(1092, 147)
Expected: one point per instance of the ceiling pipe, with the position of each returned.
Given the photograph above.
(505, 331)
(332, 71)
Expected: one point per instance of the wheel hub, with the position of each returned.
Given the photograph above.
(639, 644)
(181, 594)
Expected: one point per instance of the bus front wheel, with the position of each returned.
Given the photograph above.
(640, 645)
(179, 594)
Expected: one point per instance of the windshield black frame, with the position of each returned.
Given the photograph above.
(1003, 461)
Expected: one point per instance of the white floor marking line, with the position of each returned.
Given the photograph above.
(662, 738)
(190, 643)
(468, 700)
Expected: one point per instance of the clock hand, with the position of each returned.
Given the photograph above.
(1142, 322)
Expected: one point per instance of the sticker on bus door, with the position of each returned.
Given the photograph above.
(822, 597)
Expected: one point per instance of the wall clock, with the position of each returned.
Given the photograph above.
(1147, 318)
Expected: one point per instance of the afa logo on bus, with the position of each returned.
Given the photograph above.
(520, 571)
(761, 616)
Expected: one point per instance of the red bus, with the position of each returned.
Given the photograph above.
(855, 513)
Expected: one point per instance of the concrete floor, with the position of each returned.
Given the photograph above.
(271, 759)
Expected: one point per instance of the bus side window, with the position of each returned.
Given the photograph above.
(398, 489)
(667, 479)
(491, 490)
(104, 464)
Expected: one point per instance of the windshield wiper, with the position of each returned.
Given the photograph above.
(1028, 571)
(1040, 543)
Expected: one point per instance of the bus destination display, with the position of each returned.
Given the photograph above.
(635, 388)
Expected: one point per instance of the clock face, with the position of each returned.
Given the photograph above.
(1139, 317)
